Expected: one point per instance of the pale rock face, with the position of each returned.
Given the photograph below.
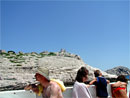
(25, 67)
(65, 68)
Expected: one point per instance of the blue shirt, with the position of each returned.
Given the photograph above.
(101, 87)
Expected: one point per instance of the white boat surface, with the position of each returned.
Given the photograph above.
(66, 94)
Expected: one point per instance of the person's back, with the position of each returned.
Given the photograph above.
(52, 91)
(80, 89)
(119, 89)
(101, 84)
(119, 92)
(101, 87)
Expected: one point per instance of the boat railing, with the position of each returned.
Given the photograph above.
(66, 94)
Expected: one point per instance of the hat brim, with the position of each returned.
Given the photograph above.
(44, 75)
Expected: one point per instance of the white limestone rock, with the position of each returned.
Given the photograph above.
(24, 66)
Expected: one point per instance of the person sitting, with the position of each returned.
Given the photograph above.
(119, 89)
(47, 87)
(101, 84)
(80, 89)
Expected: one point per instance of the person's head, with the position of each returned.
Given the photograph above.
(42, 75)
(82, 75)
(41, 78)
(97, 73)
(121, 78)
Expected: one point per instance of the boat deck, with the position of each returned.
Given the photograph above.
(66, 94)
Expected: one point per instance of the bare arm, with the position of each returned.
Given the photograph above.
(28, 87)
(108, 81)
(117, 84)
(94, 80)
(32, 87)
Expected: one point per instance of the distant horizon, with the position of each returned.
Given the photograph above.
(98, 31)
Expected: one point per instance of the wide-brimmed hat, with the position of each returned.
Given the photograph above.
(44, 72)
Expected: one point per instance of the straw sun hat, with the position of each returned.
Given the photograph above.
(44, 72)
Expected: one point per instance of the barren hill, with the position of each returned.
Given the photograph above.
(18, 69)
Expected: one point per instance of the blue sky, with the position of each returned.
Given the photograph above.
(97, 31)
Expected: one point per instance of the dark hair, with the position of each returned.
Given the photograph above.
(121, 78)
(82, 72)
(97, 73)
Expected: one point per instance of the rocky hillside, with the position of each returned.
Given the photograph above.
(18, 69)
(120, 70)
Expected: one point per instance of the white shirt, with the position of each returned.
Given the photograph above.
(80, 90)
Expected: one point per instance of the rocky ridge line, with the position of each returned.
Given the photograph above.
(119, 70)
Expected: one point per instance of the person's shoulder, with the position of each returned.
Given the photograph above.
(78, 83)
(116, 84)
(81, 84)
(54, 85)
(54, 89)
(103, 78)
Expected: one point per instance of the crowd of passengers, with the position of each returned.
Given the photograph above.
(52, 88)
